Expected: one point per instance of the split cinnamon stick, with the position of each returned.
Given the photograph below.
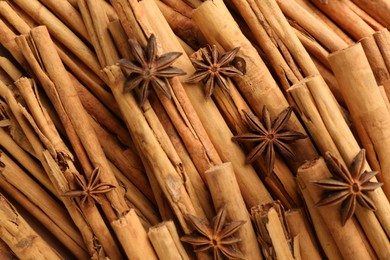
(299, 226)
(41, 216)
(274, 235)
(20, 237)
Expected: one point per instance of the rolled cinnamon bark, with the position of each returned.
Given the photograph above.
(346, 237)
(166, 242)
(348, 20)
(299, 226)
(378, 9)
(314, 26)
(225, 192)
(136, 243)
(224, 32)
(368, 110)
(376, 61)
(20, 237)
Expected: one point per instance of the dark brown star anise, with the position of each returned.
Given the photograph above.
(218, 237)
(148, 68)
(89, 192)
(214, 69)
(348, 185)
(267, 136)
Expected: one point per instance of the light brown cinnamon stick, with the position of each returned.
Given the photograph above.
(225, 192)
(224, 33)
(377, 9)
(166, 242)
(314, 26)
(299, 226)
(41, 216)
(347, 237)
(376, 61)
(368, 110)
(20, 237)
(345, 18)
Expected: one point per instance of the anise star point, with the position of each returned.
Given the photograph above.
(348, 186)
(218, 236)
(268, 135)
(149, 69)
(90, 191)
(214, 69)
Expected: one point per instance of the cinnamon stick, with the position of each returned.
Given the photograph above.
(225, 192)
(136, 243)
(60, 32)
(376, 61)
(319, 30)
(152, 153)
(64, 10)
(324, 236)
(274, 235)
(382, 39)
(166, 241)
(298, 224)
(368, 110)
(346, 143)
(41, 216)
(347, 237)
(20, 237)
(348, 20)
(377, 9)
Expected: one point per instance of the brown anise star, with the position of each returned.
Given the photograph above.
(217, 237)
(89, 192)
(214, 69)
(348, 185)
(267, 136)
(149, 68)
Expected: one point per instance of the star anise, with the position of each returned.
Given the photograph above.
(148, 68)
(215, 69)
(267, 136)
(217, 237)
(348, 185)
(89, 192)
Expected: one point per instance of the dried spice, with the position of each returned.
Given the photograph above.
(267, 136)
(148, 68)
(348, 185)
(89, 192)
(218, 237)
(215, 69)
